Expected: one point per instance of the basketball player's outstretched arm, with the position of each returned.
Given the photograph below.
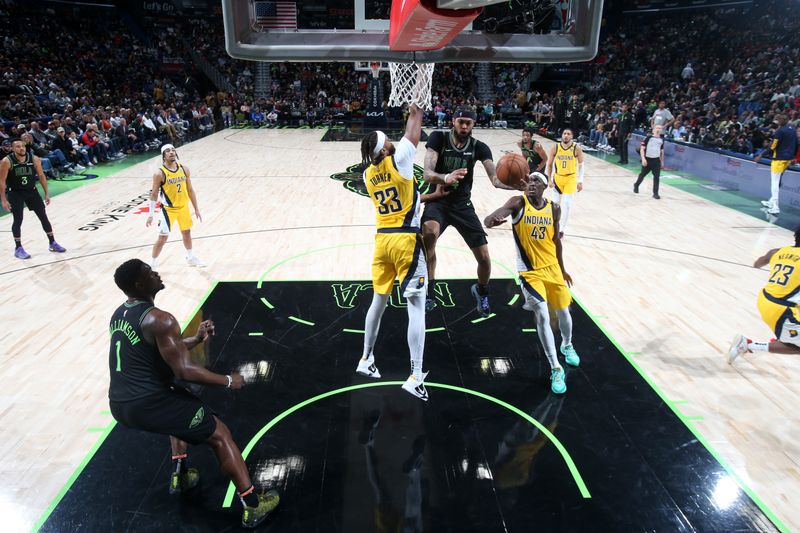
(4, 168)
(192, 195)
(499, 216)
(166, 332)
(557, 240)
(765, 259)
(491, 171)
(414, 124)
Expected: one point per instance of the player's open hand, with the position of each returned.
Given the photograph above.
(568, 279)
(454, 176)
(6, 206)
(198, 216)
(580, 187)
(205, 330)
(237, 381)
(149, 221)
(494, 220)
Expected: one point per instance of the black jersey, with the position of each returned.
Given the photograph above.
(21, 176)
(452, 158)
(136, 366)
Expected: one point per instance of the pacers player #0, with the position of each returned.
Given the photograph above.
(399, 252)
(172, 184)
(541, 270)
(565, 171)
(777, 303)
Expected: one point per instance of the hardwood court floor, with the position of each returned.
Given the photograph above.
(669, 280)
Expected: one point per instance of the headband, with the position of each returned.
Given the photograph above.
(465, 113)
(379, 144)
(539, 176)
(166, 147)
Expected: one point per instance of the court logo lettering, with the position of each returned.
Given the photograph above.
(115, 214)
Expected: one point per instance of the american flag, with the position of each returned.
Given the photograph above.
(276, 15)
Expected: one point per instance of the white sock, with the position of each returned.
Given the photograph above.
(566, 205)
(546, 334)
(565, 326)
(153, 263)
(416, 332)
(757, 346)
(189, 254)
(373, 322)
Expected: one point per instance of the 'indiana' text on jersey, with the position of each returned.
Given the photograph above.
(395, 197)
(173, 188)
(533, 234)
(566, 162)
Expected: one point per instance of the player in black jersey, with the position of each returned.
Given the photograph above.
(146, 355)
(455, 153)
(18, 173)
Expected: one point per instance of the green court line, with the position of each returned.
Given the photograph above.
(105, 412)
(347, 330)
(514, 299)
(269, 425)
(714, 453)
(679, 402)
(301, 254)
(483, 318)
(105, 433)
(255, 334)
(634, 353)
(693, 417)
(109, 427)
(266, 302)
(433, 330)
(301, 321)
(528, 330)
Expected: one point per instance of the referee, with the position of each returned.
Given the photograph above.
(652, 152)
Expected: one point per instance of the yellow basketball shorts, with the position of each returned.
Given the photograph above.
(545, 285)
(778, 166)
(399, 256)
(170, 216)
(781, 319)
(566, 184)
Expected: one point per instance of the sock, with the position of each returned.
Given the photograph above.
(565, 326)
(483, 290)
(179, 462)
(416, 332)
(189, 254)
(153, 263)
(757, 346)
(546, 334)
(373, 322)
(51, 238)
(17, 242)
(249, 497)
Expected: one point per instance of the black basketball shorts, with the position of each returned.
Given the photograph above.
(461, 216)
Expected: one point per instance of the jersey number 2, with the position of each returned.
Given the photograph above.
(388, 201)
(784, 271)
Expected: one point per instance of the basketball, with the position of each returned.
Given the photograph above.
(512, 169)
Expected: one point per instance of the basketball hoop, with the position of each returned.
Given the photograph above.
(411, 84)
(375, 68)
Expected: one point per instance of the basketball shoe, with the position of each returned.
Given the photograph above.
(179, 483)
(193, 260)
(20, 253)
(417, 388)
(55, 247)
(558, 382)
(481, 301)
(367, 368)
(738, 347)
(570, 355)
(253, 516)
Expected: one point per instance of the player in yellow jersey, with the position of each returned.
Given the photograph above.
(399, 251)
(564, 169)
(172, 185)
(541, 270)
(777, 303)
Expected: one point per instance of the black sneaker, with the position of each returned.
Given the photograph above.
(656, 196)
(430, 304)
(635, 188)
(179, 483)
(482, 302)
(253, 516)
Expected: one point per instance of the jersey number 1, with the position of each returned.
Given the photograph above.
(119, 361)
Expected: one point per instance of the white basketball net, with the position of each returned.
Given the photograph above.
(411, 84)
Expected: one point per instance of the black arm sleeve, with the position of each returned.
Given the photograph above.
(435, 141)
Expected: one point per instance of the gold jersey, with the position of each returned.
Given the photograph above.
(534, 230)
(397, 202)
(566, 161)
(779, 298)
(174, 191)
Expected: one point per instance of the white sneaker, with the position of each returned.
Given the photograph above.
(774, 210)
(367, 368)
(417, 388)
(766, 203)
(193, 260)
(738, 347)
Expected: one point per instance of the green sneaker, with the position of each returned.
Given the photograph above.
(570, 355)
(253, 516)
(557, 381)
(179, 483)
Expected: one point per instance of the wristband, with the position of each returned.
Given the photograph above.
(152, 208)
(230, 381)
(580, 172)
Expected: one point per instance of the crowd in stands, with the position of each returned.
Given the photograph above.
(722, 79)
